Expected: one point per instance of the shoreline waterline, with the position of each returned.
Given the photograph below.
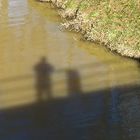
(77, 20)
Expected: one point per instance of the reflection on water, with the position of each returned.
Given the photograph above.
(17, 11)
(85, 82)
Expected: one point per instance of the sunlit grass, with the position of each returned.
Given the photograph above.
(115, 23)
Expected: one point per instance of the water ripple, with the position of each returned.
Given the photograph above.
(17, 12)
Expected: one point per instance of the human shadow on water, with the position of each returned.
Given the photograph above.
(78, 116)
(43, 71)
(59, 119)
(73, 82)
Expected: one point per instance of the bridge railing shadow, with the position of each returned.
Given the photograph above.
(79, 115)
(94, 115)
(22, 88)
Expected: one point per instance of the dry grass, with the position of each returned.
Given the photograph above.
(114, 23)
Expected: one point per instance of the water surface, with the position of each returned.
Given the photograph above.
(86, 81)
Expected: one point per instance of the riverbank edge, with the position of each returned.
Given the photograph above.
(128, 105)
(75, 20)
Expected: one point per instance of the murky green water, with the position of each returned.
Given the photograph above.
(30, 30)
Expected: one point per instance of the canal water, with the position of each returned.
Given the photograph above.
(85, 80)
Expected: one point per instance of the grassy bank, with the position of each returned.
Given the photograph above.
(113, 23)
